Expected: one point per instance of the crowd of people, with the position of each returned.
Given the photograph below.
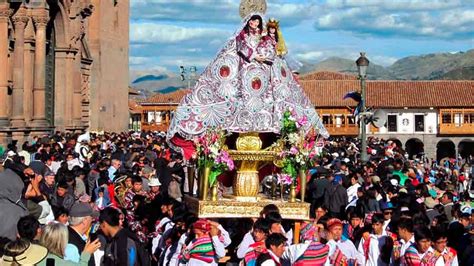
(118, 199)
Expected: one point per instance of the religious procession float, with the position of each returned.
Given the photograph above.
(248, 118)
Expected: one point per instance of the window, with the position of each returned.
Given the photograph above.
(446, 119)
(350, 120)
(458, 119)
(392, 123)
(327, 120)
(339, 121)
(419, 123)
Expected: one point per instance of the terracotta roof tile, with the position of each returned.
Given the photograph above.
(133, 107)
(386, 94)
(173, 97)
(327, 75)
(393, 94)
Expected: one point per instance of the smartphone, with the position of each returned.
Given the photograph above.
(92, 237)
(50, 262)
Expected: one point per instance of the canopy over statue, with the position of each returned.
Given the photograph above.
(247, 87)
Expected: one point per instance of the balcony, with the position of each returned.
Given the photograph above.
(342, 130)
(155, 127)
(456, 121)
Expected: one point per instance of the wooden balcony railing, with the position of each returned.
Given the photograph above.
(342, 130)
(456, 122)
(456, 129)
(155, 127)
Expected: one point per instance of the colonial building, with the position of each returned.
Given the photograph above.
(435, 118)
(63, 66)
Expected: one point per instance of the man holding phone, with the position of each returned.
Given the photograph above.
(81, 216)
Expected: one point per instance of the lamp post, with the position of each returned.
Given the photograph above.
(188, 74)
(362, 64)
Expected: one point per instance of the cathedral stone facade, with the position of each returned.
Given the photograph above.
(63, 66)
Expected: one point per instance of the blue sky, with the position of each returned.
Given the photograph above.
(165, 34)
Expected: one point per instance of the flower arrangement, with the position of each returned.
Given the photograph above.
(300, 149)
(210, 153)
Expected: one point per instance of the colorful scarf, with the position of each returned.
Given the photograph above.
(199, 249)
(412, 257)
(250, 258)
(448, 256)
(316, 254)
(338, 258)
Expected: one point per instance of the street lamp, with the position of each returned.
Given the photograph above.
(362, 64)
(188, 74)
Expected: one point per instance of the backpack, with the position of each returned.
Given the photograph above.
(142, 258)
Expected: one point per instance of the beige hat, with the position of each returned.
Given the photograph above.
(31, 256)
(154, 182)
(375, 179)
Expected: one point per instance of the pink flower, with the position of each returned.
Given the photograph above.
(294, 150)
(230, 165)
(302, 121)
(284, 179)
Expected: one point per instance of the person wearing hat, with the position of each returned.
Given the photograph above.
(23, 252)
(206, 248)
(81, 216)
(337, 244)
(387, 210)
(146, 174)
(154, 185)
(47, 185)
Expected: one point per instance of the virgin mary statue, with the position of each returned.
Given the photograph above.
(246, 88)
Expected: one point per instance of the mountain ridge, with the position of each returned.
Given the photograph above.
(434, 66)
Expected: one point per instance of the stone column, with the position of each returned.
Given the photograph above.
(28, 72)
(19, 20)
(77, 93)
(39, 91)
(4, 16)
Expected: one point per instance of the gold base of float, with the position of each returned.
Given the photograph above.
(245, 201)
(234, 208)
(248, 157)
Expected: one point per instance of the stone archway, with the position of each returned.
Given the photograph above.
(445, 148)
(414, 148)
(466, 148)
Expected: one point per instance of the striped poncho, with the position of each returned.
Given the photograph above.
(251, 256)
(413, 258)
(199, 249)
(316, 254)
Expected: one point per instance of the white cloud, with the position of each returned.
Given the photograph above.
(383, 60)
(410, 18)
(138, 60)
(163, 33)
(405, 5)
(310, 56)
